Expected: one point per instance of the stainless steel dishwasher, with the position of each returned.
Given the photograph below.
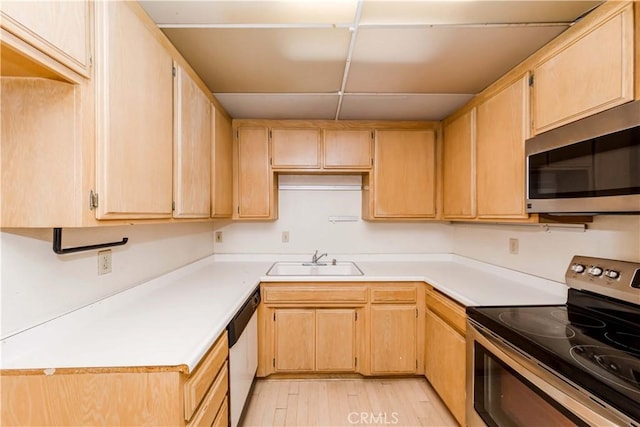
(243, 354)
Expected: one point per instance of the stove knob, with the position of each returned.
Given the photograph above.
(595, 271)
(577, 268)
(612, 274)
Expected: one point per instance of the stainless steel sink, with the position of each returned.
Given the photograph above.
(345, 268)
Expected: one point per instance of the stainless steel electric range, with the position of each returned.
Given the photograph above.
(572, 364)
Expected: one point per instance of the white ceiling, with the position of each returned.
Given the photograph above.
(348, 59)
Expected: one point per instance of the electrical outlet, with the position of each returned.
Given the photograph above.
(513, 246)
(218, 236)
(285, 237)
(104, 262)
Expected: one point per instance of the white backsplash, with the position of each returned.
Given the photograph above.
(306, 214)
(548, 253)
(38, 285)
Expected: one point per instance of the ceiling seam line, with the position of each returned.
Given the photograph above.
(347, 65)
(367, 26)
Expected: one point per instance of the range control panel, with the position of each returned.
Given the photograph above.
(617, 279)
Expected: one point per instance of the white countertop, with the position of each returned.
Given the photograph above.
(173, 320)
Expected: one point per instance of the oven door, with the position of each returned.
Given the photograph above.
(507, 388)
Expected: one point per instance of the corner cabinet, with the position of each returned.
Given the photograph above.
(192, 148)
(135, 115)
(459, 167)
(402, 184)
(586, 76)
(255, 184)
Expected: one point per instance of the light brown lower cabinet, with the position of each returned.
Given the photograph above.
(445, 352)
(308, 340)
(158, 395)
(341, 328)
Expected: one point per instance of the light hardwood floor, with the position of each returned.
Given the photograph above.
(346, 402)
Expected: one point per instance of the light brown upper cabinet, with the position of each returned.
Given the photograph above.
(60, 29)
(295, 148)
(192, 148)
(222, 163)
(589, 75)
(347, 149)
(501, 133)
(135, 115)
(255, 193)
(403, 182)
(459, 172)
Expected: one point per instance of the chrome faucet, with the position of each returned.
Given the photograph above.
(315, 258)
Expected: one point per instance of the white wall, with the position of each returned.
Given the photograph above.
(304, 214)
(38, 285)
(548, 253)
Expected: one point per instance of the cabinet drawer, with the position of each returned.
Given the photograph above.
(451, 312)
(199, 381)
(315, 295)
(400, 295)
(222, 419)
(216, 396)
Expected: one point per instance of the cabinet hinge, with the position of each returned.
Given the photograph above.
(531, 80)
(271, 162)
(173, 71)
(416, 363)
(356, 313)
(356, 362)
(372, 161)
(93, 200)
(274, 317)
(274, 362)
(372, 135)
(173, 205)
(416, 311)
(90, 61)
(238, 210)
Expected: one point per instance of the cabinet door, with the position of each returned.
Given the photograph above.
(445, 364)
(500, 153)
(135, 116)
(222, 166)
(347, 149)
(393, 339)
(404, 174)
(61, 29)
(192, 148)
(295, 148)
(459, 167)
(335, 340)
(254, 174)
(591, 75)
(294, 340)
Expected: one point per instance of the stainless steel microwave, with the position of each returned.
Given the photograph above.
(587, 167)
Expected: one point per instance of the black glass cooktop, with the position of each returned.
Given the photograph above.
(593, 341)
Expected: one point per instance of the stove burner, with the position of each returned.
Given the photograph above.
(624, 339)
(577, 319)
(620, 368)
(536, 325)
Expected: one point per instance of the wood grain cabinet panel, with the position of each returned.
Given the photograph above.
(255, 198)
(222, 165)
(192, 148)
(347, 149)
(500, 152)
(445, 365)
(134, 76)
(295, 148)
(459, 167)
(294, 340)
(590, 75)
(404, 174)
(393, 339)
(60, 29)
(335, 340)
